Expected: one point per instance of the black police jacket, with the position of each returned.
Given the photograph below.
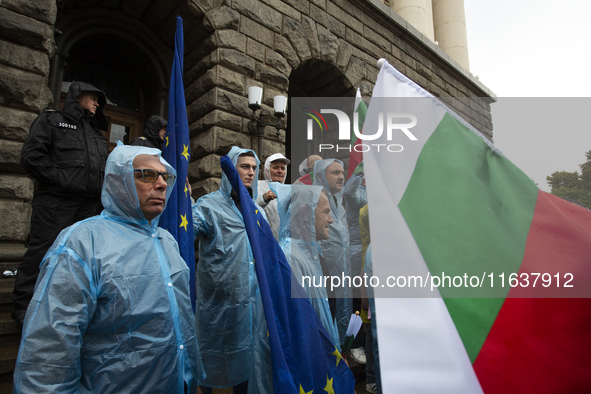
(66, 151)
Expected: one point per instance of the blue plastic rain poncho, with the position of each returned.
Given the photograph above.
(263, 187)
(296, 207)
(355, 197)
(229, 317)
(111, 311)
(336, 248)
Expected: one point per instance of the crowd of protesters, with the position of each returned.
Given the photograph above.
(104, 300)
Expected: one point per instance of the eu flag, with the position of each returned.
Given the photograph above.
(304, 359)
(177, 217)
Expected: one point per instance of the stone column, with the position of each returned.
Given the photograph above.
(419, 13)
(450, 29)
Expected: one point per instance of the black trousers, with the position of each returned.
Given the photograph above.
(51, 214)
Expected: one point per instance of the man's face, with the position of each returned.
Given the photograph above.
(152, 196)
(323, 218)
(89, 101)
(162, 133)
(246, 167)
(335, 176)
(278, 169)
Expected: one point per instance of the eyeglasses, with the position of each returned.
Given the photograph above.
(151, 176)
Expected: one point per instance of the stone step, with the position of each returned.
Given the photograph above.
(9, 344)
(11, 252)
(7, 325)
(8, 354)
(6, 287)
(10, 333)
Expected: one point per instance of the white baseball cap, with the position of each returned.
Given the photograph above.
(278, 157)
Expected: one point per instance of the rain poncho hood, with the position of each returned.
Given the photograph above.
(303, 167)
(296, 206)
(336, 248)
(119, 195)
(75, 112)
(263, 187)
(320, 178)
(234, 153)
(271, 159)
(229, 314)
(111, 312)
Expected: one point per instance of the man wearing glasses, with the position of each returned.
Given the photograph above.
(229, 317)
(111, 311)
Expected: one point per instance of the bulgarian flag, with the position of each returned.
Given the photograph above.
(450, 204)
(355, 157)
(307, 179)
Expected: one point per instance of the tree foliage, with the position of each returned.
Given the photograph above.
(571, 184)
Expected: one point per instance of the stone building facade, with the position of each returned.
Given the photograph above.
(298, 48)
(314, 48)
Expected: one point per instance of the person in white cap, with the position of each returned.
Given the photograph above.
(275, 171)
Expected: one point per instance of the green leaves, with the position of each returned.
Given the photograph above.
(571, 185)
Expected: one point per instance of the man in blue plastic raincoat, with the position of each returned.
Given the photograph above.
(305, 218)
(229, 317)
(111, 311)
(329, 174)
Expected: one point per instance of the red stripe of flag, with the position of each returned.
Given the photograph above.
(542, 345)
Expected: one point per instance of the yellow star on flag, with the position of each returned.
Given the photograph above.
(185, 152)
(184, 222)
(302, 391)
(328, 387)
(166, 140)
(186, 190)
(337, 354)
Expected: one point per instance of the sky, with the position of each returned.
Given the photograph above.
(532, 55)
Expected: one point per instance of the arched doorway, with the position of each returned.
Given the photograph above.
(124, 92)
(314, 79)
(118, 60)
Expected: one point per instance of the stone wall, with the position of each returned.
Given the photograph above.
(262, 43)
(26, 45)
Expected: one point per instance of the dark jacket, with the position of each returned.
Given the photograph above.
(151, 137)
(66, 151)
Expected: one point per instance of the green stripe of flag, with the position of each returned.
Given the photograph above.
(356, 157)
(463, 191)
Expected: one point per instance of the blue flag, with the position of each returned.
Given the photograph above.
(177, 217)
(304, 358)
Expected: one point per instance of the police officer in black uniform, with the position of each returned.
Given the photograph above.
(65, 153)
(154, 133)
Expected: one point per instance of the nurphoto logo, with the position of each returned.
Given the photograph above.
(394, 123)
